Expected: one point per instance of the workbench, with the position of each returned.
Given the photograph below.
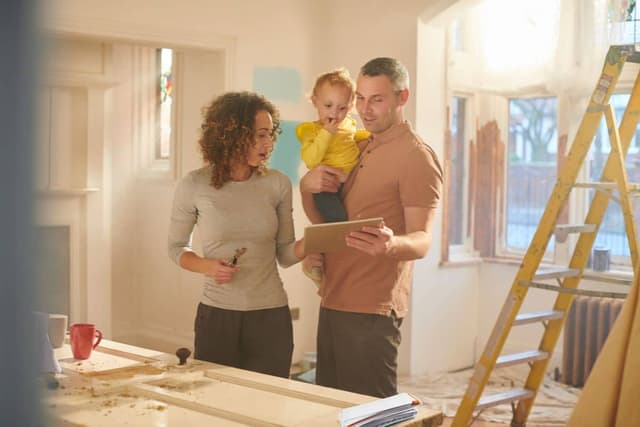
(122, 384)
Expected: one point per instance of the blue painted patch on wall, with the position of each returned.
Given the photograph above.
(278, 83)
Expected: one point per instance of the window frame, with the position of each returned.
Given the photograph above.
(146, 111)
(502, 250)
(578, 202)
(465, 249)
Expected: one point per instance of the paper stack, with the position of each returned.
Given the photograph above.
(382, 412)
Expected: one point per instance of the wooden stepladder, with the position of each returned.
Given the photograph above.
(613, 185)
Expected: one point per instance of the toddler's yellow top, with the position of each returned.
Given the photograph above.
(319, 146)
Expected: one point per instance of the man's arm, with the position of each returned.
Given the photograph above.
(310, 208)
(412, 245)
(317, 180)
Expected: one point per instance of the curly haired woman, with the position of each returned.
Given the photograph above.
(244, 216)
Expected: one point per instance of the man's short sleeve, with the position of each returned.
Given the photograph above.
(421, 178)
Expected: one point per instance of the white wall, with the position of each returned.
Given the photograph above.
(444, 309)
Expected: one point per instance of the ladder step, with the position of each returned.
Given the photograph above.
(631, 186)
(607, 278)
(562, 231)
(524, 357)
(585, 292)
(537, 316)
(597, 185)
(634, 57)
(556, 273)
(506, 397)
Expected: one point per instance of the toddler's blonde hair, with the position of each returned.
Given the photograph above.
(338, 77)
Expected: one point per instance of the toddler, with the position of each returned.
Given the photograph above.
(332, 139)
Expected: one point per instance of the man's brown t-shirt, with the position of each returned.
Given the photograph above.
(396, 170)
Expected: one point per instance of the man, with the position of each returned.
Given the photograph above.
(365, 289)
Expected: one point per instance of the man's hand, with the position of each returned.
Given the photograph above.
(414, 244)
(322, 179)
(372, 240)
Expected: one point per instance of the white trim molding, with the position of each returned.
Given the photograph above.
(177, 38)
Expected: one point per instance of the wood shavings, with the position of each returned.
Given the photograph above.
(156, 407)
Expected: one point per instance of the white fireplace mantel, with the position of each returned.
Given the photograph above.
(72, 172)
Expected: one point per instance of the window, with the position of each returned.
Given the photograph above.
(457, 240)
(624, 23)
(154, 111)
(531, 168)
(457, 171)
(164, 66)
(612, 233)
(457, 35)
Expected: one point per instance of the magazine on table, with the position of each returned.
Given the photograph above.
(382, 412)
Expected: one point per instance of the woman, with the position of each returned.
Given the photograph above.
(244, 216)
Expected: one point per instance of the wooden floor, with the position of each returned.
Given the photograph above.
(447, 422)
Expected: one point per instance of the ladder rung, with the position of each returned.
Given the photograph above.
(563, 230)
(524, 357)
(597, 185)
(585, 292)
(538, 316)
(506, 397)
(556, 273)
(607, 278)
(631, 186)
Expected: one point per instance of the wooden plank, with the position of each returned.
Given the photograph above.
(193, 404)
(297, 390)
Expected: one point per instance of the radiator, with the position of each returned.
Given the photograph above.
(586, 329)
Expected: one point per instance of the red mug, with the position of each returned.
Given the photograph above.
(84, 337)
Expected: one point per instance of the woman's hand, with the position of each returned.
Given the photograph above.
(312, 261)
(312, 266)
(221, 271)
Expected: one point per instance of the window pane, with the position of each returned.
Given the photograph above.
(165, 101)
(457, 176)
(457, 35)
(612, 234)
(624, 24)
(532, 158)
